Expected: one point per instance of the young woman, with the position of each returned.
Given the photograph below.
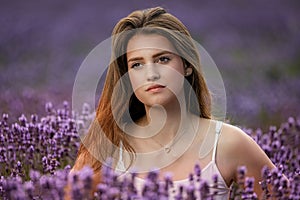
(155, 110)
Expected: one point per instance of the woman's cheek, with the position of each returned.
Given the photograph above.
(136, 80)
(174, 79)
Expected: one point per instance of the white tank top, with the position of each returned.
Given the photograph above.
(207, 173)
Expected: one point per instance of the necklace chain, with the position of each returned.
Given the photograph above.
(168, 147)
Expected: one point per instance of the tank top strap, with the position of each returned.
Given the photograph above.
(121, 151)
(120, 164)
(217, 134)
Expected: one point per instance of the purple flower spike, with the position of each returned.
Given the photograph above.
(49, 107)
(190, 190)
(249, 189)
(34, 119)
(29, 189)
(197, 171)
(22, 120)
(291, 121)
(242, 170)
(5, 117)
(179, 195)
(204, 189)
(168, 181)
(215, 184)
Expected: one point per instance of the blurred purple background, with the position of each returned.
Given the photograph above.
(255, 45)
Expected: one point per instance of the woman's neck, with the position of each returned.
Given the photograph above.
(164, 122)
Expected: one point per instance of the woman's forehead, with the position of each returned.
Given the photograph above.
(150, 41)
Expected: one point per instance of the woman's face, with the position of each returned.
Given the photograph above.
(155, 69)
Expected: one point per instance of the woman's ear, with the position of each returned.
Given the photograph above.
(187, 68)
(188, 71)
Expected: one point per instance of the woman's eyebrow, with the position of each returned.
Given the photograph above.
(154, 56)
(134, 59)
(161, 53)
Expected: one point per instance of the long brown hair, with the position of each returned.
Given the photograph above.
(105, 134)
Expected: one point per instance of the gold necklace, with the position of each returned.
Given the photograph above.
(168, 147)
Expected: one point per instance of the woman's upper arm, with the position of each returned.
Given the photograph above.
(249, 154)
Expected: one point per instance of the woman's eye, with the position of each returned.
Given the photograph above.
(136, 65)
(164, 59)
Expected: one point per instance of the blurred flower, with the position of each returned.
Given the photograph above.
(36, 155)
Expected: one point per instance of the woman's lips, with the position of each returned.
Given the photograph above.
(155, 88)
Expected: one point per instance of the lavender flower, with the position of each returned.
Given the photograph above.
(35, 159)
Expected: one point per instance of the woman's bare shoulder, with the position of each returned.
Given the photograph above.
(230, 134)
(236, 143)
(234, 139)
(233, 135)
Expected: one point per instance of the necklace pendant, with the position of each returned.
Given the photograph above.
(167, 149)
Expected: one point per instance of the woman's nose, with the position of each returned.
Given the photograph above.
(152, 73)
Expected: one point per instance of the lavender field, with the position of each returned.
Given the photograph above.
(36, 155)
(255, 44)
